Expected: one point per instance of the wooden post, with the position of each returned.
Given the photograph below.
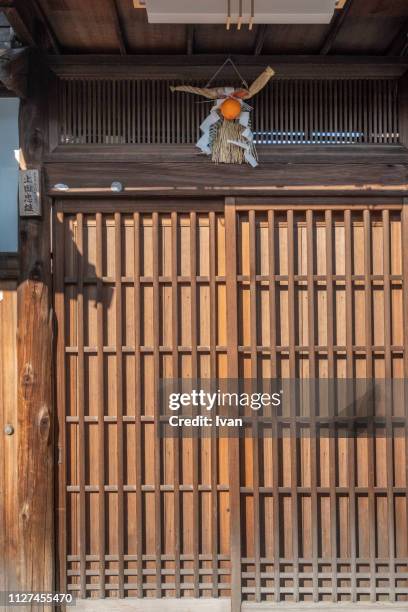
(35, 549)
(233, 442)
(8, 425)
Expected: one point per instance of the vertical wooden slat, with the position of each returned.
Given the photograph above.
(282, 111)
(381, 114)
(390, 136)
(324, 87)
(275, 433)
(132, 93)
(290, 102)
(139, 112)
(80, 109)
(175, 375)
(81, 404)
(9, 469)
(288, 111)
(368, 293)
(254, 375)
(349, 292)
(350, 375)
(101, 404)
(374, 102)
(275, 450)
(272, 291)
(369, 375)
(313, 405)
(359, 111)
(119, 398)
(331, 374)
(63, 96)
(168, 122)
(233, 442)
(213, 376)
(102, 112)
(194, 375)
(389, 398)
(399, 122)
(293, 398)
(347, 102)
(156, 358)
(138, 402)
(59, 301)
(366, 127)
(404, 236)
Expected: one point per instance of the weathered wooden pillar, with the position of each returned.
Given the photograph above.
(35, 552)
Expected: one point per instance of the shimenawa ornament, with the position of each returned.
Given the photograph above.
(226, 132)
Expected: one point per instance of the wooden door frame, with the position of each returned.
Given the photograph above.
(231, 206)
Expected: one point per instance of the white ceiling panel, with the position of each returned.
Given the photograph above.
(215, 11)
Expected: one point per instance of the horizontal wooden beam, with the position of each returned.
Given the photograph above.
(201, 177)
(181, 153)
(202, 66)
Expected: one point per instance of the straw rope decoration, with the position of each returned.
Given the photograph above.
(226, 132)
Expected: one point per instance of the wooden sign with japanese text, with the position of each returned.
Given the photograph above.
(29, 193)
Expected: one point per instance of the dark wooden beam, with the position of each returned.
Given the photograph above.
(9, 264)
(201, 66)
(117, 22)
(4, 92)
(261, 33)
(47, 26)
(183, 153)
(190, 39)
(336, 23)
(18, 22)
(14, 71)
(399, 45)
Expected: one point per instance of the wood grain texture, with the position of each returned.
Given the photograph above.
(200, 178)
(281, 289)
(163, 487)
(202, 66)
(8, 416)
(35, 460)
(282, 115)
(35, 455)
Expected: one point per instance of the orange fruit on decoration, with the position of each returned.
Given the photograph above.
(230, 109)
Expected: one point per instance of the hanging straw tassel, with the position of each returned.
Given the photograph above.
(225, 152)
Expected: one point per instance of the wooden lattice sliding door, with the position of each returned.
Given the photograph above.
(321, 293)
(140, 294)
(170, 289)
